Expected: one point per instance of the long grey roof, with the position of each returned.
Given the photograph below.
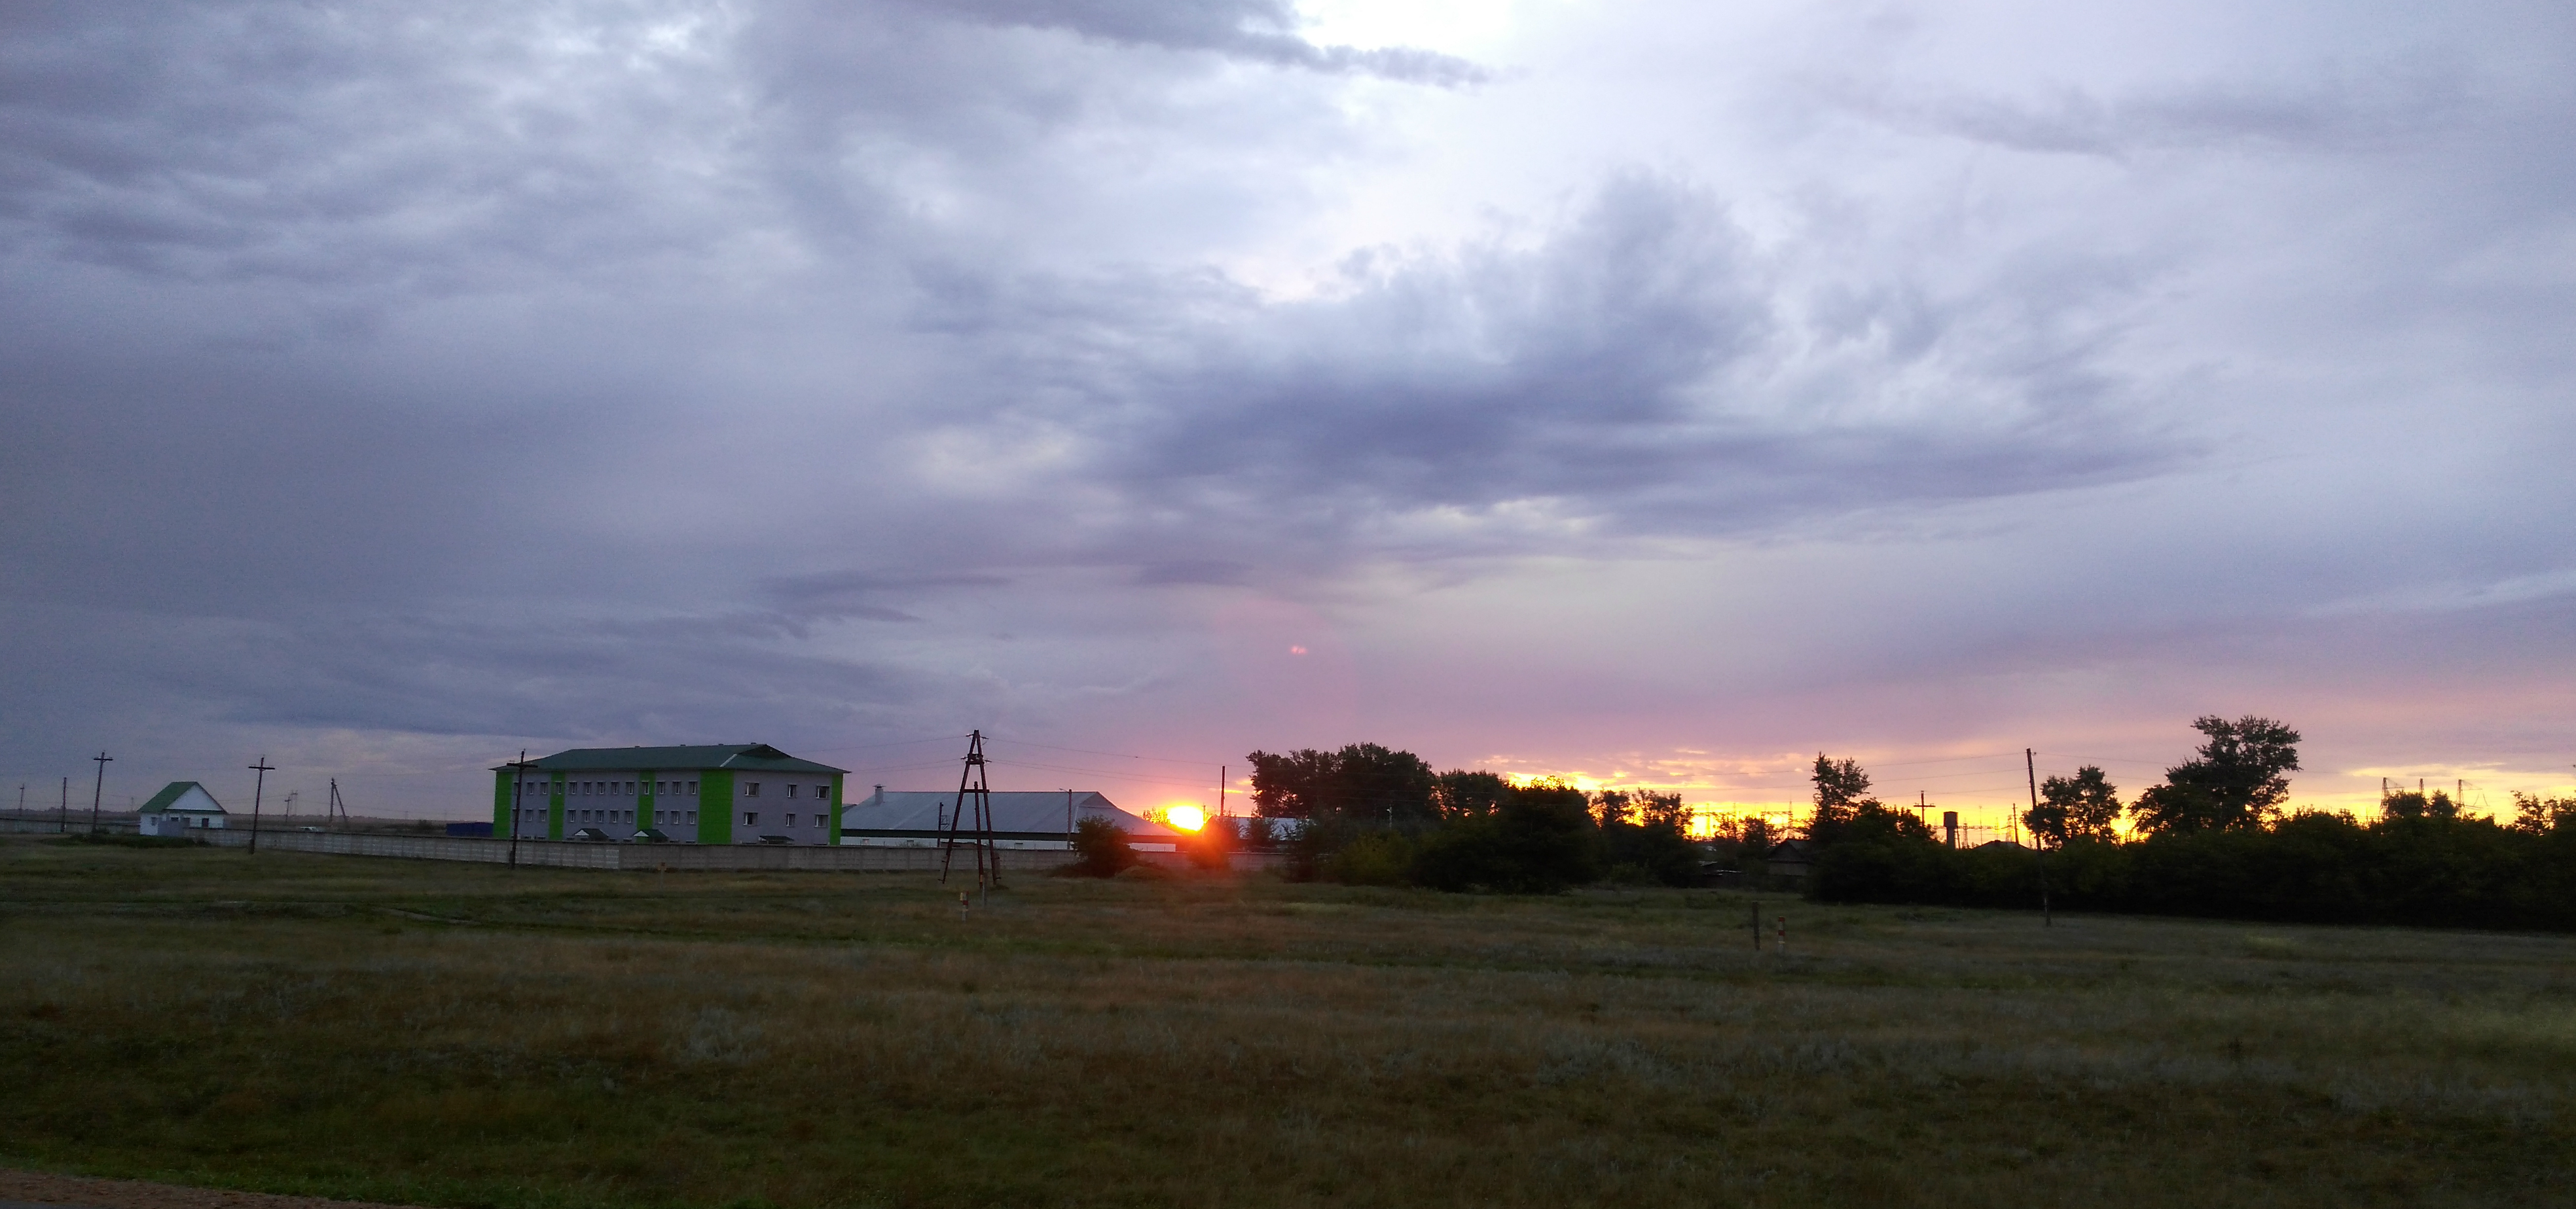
(1039, 812)
(754, 757)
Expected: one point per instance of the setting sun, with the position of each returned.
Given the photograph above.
(1187, 818)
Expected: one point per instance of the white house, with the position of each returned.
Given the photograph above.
(180, 806)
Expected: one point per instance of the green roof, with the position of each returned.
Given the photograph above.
(172, 792)
(754, 757)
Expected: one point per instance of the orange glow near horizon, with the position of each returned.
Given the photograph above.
(1186, 817)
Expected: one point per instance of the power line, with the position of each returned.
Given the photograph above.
(1123, 755)
(896, 743)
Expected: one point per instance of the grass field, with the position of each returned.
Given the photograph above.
(460, 1035)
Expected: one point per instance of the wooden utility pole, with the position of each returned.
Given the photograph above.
(103, 761)
(970, 782)
(2038, 842)
(263, 768)
(63, 815)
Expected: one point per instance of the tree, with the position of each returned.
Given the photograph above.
(1362, 781)
(2537, 815)
(2412, 804)
(1641, 807)
(1642, 831)
(1842, 793)
(1460, 794)
(2237, 783)
(2083, 806)
(1538, 840)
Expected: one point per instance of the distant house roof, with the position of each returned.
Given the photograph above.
(183, 797)
(2006, 845)
(750, 757)
(1040, 813)
(1790, 858)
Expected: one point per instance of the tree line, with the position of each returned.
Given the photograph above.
(1372, 815)
(2214, 838)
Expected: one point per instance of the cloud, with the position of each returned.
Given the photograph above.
(1260, 30)
(1639, 372)
(665, 370)
(2397, 105)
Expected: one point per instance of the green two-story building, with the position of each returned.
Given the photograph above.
(732, 793)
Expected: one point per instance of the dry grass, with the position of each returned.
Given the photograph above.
(456, 1035)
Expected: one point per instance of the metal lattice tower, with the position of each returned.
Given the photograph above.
(970, 783)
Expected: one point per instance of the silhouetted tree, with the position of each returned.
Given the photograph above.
(2083, 806)
(1642, 833)
(1538, 840)
(1460, 794)
(2413, 804)
(2536, 815)
(2238, 782)
(1842, 792)
(1362, 782)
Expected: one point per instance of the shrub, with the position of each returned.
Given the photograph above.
(1373, 858)
(1101, 849)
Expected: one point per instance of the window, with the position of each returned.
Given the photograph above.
(751, 818)
(693, 817)
(751, 789)
(791, 820)
(791, 789)
(693, 789)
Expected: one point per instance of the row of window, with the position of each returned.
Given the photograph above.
(751, 818)
(687, 789)
(661, 818)
(750, 789)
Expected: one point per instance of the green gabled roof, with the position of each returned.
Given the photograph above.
(172, 792)
(751, 757)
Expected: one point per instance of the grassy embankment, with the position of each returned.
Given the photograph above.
(460, 1035)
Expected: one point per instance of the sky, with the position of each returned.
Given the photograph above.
(1644, 393)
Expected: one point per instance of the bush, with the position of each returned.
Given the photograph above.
(1651, 852)
(1101, 849)
(1373, 858)
(1538, 842)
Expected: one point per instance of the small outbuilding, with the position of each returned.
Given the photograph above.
(1790, 858)
(180, 807)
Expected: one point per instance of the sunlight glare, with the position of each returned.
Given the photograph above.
(1186, 817)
